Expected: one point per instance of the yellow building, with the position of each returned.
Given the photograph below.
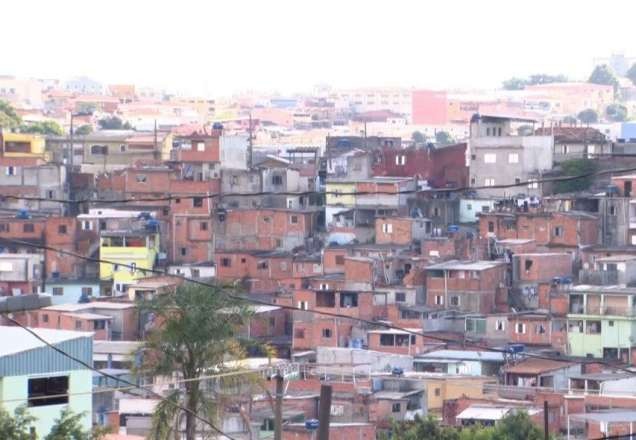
(441, 388)
(340, 193)
(23, 145)
(139, 249)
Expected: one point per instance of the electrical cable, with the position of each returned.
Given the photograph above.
(115, 378)
(565, 359)
(172, 197)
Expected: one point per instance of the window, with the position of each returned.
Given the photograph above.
(45, 318)
(539, 329)
(86, 225)
(439, 300)
(58, 291)
(293, 219)
(203, 226)
(183, 251)
(491, 227)
(78, 325)
(527, 264)
(520, 328)
(101, 150)
(326, 332)
(303, 305)
(489, 181)
(612, 210)
(387, 228)
(197, 202)
(500, 325)
(12, 171)
(348, 300)
(396, 407)
(400, 159)
(438, 392)
(593, 327)
(558, 231)
(490, 158)
(513, 158)
(340, 260)
(454, 300)
(277, 180)
(200, 146)
(533, 184)
(400, 297)
(61, 229)
(28, 227)
(299, 333)
(102, 224)
(99, 324)
(50, 194)
(4, 227)
(324, 286)
(262, 265)
(41, 387)
(226, 262)
(469, 207)
(610, 323)
(87, 291)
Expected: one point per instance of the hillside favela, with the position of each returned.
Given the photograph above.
(289, 221)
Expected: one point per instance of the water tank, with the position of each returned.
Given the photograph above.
(312, 424)
(516, 348)
(23, 214)
(453, 228)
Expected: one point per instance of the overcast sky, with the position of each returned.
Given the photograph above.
(221, 47)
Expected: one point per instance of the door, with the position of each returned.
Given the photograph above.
(627, 189)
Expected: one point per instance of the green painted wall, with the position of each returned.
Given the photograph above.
(615, 336)
(80, 381)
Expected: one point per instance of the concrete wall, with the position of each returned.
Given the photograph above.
(379, 361)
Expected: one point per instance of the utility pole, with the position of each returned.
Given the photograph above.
(278, 410)
(324, 412)
(546, 432)
(250, 146)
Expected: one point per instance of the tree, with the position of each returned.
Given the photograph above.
(570, 120)
(575, 167)
(43, 127)
(515, 84)
(418, 137)
(113, 123)
(18, 426)
(9, 118)
(588, 116)
(515, 426)
(616, 112)
(631, 73)
(83, 130)
(603, 74)
(69, 427)
(443, 138)
(195, 332)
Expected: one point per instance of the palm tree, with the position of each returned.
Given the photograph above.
(195, 330)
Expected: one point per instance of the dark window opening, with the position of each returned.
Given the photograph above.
(197, 202)
(48, 391)
(348, 300)
(226, 262)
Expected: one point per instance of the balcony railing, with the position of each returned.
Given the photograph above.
(598, 277)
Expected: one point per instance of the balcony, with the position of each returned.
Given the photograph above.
(598, 277)
(618, 311)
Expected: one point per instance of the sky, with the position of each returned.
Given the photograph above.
(223, 47)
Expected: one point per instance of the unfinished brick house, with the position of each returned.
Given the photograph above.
(471, 286)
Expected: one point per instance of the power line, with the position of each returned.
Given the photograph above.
(172, 197)
(564, 359)
(118, 379)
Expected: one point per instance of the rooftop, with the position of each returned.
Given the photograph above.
(17, 340)
(537, 366)
(465, 265)
(487, 356)
(72, 307)
(583, 288)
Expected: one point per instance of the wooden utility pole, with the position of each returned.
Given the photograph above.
(278, 410)
(546, 431)
(324, 412)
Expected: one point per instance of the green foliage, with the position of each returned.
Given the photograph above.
(525, 130)
(113, 123)
(575, 167)
(16, 427)
(603, 74)
(68, 427)
(540, 78)
(43, 127)
(570, 120)
(588, 116)
(616, 112)
(443, 138)
(83, 130)
(517, 426)
(8, 117)
(418, 137)
(631, 73)
(196, 332)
